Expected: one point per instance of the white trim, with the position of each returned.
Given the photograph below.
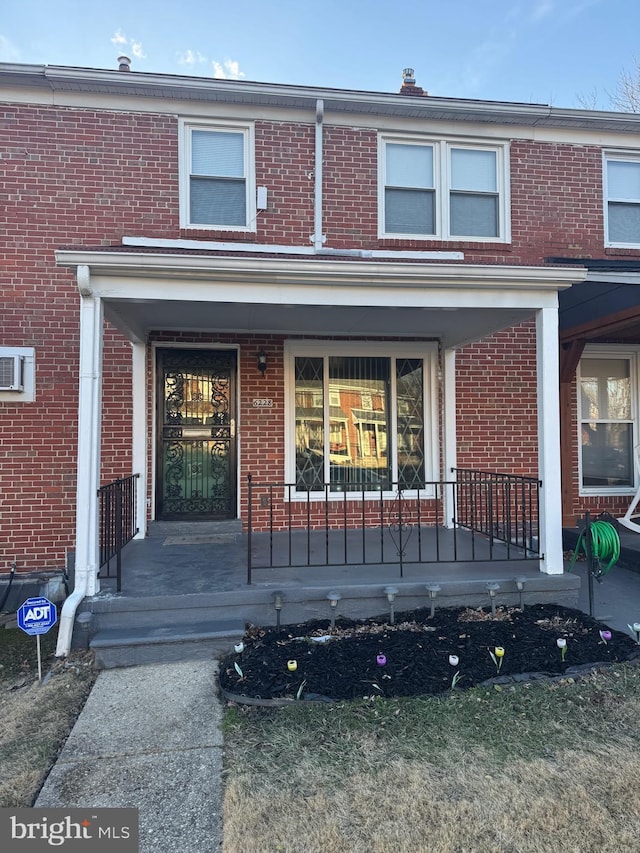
(228, 246)
(246, 129)
(425, 350)
(548, 404)
(450, 429)
(283, 271)
(620, 156)
(441, 147)
(139, 432)
(610, 351)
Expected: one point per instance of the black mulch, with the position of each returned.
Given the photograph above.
(417, 650)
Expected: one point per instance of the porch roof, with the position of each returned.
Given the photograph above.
(451, 302)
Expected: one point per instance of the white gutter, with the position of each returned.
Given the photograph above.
(318, 237)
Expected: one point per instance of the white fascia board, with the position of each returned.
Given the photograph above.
(282, 271)
(613, 277)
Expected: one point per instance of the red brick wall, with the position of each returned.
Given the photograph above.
(496, 403)
(85, 178)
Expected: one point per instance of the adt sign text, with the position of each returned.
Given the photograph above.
(37, 615)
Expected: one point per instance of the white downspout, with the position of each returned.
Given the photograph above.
(88, 467)
(318, 237)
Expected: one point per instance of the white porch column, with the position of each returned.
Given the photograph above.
(450, 443)
(88, 465)
(139, 436)
(549, 440)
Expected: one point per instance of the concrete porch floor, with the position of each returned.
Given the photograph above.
(185, 592)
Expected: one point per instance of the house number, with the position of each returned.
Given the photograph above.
(263, 403)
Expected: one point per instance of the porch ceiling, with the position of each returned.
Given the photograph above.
(450, 302)
(453, 326)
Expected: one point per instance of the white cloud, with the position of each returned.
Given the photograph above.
(119, 38)
(8, 51)
(191, 57)
(136, 49)
(228, 70)
(122, 42)
(541, 9)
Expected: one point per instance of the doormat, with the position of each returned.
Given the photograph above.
(211, 539)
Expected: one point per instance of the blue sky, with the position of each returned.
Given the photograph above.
(549, 51)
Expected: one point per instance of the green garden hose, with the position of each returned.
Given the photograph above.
(605, 545)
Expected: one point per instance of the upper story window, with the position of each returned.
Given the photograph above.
(622, 194)
(217, 177)
(443, 190)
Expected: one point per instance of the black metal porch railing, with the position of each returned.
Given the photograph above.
(116, 523)
(491, 516)
(504, 507)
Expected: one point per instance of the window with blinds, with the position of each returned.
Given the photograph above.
(443, 190)
(217, 177)
(622, 212)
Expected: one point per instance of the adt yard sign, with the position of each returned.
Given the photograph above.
(37, 615)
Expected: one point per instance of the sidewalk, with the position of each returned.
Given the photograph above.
(149, 737)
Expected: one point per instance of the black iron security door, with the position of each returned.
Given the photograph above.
(196, 457)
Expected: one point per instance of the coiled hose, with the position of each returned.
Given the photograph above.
(605, 546)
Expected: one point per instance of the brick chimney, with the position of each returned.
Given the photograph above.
(409, 84)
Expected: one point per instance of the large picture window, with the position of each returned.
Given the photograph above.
(607, 422)
(622, 192)
(360, 420)
(443, 190)
(217, 177)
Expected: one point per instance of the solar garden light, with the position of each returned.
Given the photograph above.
(277, 603)
(433, 589)
(391, 592)
(492, 588)
(520, 582)
(334, 598)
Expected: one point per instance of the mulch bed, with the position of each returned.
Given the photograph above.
(417, 652)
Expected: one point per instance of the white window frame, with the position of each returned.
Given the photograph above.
(427, 351)
(607, 157)
(184, 155)
(442, 181)
(601, 352)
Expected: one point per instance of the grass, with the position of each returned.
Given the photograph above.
(35, 718)
(537, 767)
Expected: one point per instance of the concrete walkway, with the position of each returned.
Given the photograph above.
(149, 737)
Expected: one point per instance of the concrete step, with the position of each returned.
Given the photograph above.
(119, 647)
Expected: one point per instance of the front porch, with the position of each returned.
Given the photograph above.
(185, 592)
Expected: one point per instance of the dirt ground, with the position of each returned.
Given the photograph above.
(418, 655)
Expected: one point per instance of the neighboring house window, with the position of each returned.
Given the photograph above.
(622, 193)
(217, 186)
(377, 431)
(443, 190)
(607, 406)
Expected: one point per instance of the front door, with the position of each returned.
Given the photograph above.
(196, 454)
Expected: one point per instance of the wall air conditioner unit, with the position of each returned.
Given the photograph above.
(11, 373)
